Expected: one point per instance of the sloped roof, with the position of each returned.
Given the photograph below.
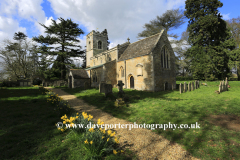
(141, 47)
(94, 67)
(79, 73)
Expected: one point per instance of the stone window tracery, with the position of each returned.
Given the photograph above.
(165, 58)
(121, 71)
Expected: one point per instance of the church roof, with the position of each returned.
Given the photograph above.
(79, 73)
(94, 67)
(141, 47)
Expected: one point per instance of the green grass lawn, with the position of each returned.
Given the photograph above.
(217, 138)
(28, 131)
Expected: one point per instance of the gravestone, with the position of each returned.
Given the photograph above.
(220, 87)
(195, 84)
(189, 86)
(180, 88)
(185, 87)
(102, 87)
(120, 88)
(192, 86)
(226, 84)
(107, 89)
(172, 86)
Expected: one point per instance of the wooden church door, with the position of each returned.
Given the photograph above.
(131, 82)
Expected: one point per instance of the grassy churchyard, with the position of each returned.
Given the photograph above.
(28, 119)
(217, 114)
(27, 129)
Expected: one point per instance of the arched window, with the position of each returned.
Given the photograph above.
(165, 58)
(164, 51)
(121, 71)
(162, 59)
(99, 45)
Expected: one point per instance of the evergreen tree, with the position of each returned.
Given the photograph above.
(234, 25)
(65, 34)
(210, 40)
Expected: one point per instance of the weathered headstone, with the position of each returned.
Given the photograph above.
(185, 87)
(189, 86)
(195, 84)
(120, 88)
(180, 88)
(220, 87)
(102, 87)
(226, 84)
(192, 83)
(107, 89)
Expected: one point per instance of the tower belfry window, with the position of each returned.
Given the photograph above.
(99, 45)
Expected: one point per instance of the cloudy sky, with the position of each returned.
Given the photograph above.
(121, 18)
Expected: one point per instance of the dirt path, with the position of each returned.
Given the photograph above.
(145, 143)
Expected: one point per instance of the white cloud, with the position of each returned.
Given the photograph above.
(225, 16)
(122, 18)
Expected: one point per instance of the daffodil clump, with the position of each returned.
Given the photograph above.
(97, 141)
(54, 99)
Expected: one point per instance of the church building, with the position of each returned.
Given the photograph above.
(147, 64)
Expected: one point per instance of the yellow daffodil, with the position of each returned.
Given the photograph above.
(86, 142)
(109, 132)
(102, 137)
(91, 142)
(107, 139)
(77, 113)
(91, 129)
(114, 152)
(90, 117)
(112, 134)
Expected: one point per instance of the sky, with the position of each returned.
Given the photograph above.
(122, 18)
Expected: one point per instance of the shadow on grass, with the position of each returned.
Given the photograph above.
(27, 124)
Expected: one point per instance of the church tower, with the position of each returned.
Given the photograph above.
(96, 43)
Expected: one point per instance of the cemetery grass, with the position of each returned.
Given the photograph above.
(218, 115)
(28, 131)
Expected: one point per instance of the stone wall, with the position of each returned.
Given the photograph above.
(104, 57)
(162, 75)
(92, 48)
(143, 81)
(80, 83)
(110, 73)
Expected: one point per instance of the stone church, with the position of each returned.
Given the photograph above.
(147, 64)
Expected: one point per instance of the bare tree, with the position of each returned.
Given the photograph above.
(18, 59)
